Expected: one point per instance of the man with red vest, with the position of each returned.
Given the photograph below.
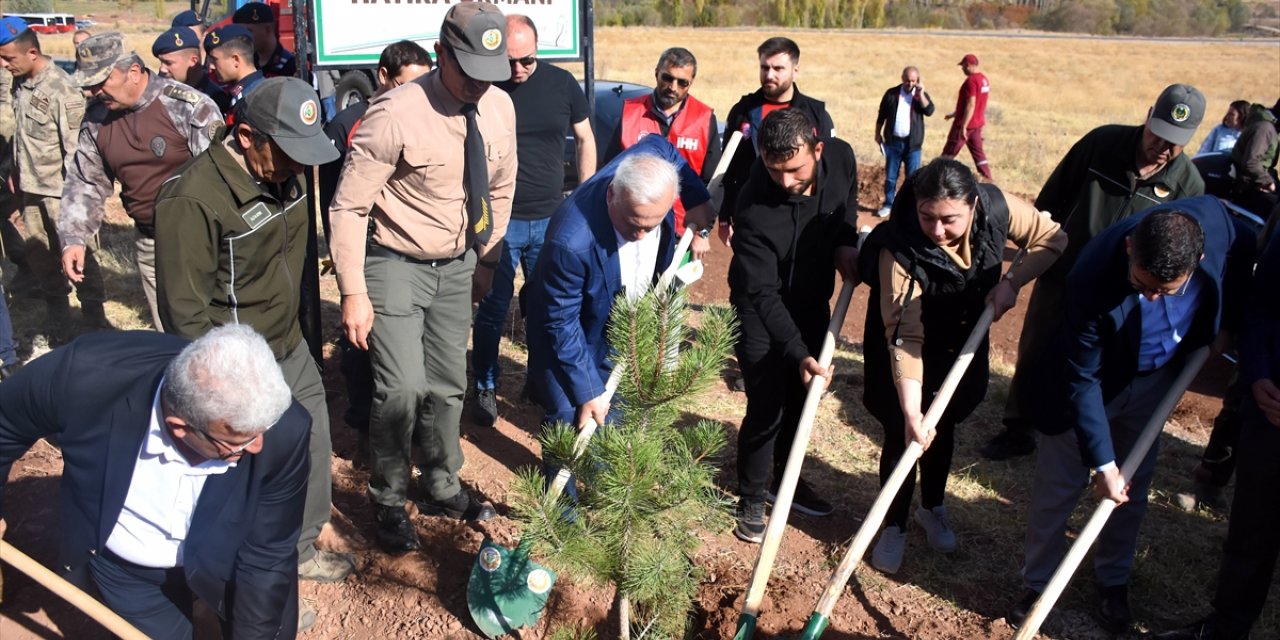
(683, 120)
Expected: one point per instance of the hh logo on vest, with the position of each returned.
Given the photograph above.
(690, 144)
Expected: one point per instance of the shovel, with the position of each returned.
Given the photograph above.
(1062, 576)
(507, 589)
(821, 616)
(791, 476)
(69, 592)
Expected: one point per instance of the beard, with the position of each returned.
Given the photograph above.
(666, 100)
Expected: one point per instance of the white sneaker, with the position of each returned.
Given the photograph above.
(887, 556)
(937, 527)
(883, 212)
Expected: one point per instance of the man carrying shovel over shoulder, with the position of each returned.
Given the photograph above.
(1144, 293)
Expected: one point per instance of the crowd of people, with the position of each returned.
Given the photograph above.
(450, 179)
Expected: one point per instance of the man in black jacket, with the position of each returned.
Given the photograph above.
(795, 222)
(779, 67)
(900, 130)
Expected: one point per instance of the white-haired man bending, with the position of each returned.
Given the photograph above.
(170, 490)
(614, 234)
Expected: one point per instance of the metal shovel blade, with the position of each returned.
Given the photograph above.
(507, 589)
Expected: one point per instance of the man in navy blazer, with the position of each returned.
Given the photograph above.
(1144, 293)
(578, 274)
(130, 407)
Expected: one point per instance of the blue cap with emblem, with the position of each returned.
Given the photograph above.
(188, 18)
(254, 13)
(175, 39)
(215, 38)
(11, 28)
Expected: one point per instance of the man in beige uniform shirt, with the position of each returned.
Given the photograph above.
(407, 296)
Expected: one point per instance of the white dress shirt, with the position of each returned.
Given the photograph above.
(638, 261)
(162, 497)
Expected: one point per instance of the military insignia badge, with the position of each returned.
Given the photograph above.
(254, 15)
(1181, 112)
(213, 37)
(308, 112)
(12, 31)
(177, 40)
(491, 39)
(158, 145)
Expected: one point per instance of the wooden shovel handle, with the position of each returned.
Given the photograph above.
(69, 592)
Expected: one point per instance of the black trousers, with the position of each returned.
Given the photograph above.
(1253, 536)
(775, 397)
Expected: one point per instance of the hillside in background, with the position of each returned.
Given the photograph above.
(1179, 18)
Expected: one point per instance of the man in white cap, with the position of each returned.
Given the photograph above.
(231, 234)
(438, 230)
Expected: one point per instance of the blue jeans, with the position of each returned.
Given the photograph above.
(522, 244)
(895, 154)
(8, 348)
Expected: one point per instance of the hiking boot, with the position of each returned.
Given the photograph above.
(1018, 614)
(485, 411)
(1009, 444)
(462, 506)
(806, 500)
(750, 513)
(937, 527)
(327, 566)
(94, 318)
(1113, 612)
(883, 212)
(395, 532)
(306, 614)
(887, 556)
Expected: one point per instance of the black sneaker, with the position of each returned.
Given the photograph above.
(1114, 610)
(462, 506)
(485, 411)
(806, 500)
(750, 514)
(1018, 614)
(1009, 444)
(395, 532)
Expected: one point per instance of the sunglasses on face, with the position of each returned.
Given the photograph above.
(670, 79)
(525, 62)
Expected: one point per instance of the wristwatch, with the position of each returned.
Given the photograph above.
(704, 233)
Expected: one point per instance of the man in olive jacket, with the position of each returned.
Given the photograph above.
(231, 230)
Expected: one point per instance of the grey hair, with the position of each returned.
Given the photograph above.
(124, 63)
(228, 375)
(645, 178)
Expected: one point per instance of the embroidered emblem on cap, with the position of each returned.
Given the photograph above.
(491, 39)
(12, 31)
(254, 15)
(213, 37)
(1181, 112)
(308, 112)
(177, 40)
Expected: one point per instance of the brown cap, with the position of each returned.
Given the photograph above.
(95, 57)
(477, 34)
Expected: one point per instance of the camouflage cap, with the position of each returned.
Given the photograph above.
(95, 57)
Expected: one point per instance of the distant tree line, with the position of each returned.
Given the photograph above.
(1105, 17)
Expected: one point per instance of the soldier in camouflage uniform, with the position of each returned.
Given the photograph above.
(139, 130)
(178, 51)
(22, 284)
(48, 109)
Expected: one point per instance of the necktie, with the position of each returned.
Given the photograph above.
(475, 182)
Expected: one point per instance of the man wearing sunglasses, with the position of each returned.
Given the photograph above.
(1110, 174)
(186, 469)
(687, 123)
(1144, 294)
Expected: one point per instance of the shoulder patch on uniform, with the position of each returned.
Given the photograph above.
(185, 95)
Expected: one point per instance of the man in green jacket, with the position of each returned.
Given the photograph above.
(1110, 174)
(231, 230)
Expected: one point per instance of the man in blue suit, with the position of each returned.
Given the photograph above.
(1144, 294)
(172, 487)
(614, 234)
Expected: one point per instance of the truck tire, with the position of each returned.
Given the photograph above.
(354, 86)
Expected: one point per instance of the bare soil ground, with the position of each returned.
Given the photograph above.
(965, 595)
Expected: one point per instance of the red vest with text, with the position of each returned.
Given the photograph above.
(688, 133)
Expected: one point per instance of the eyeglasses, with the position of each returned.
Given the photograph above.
(1154, 291)
(232, 448)
(525, 62)
(669, 79)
